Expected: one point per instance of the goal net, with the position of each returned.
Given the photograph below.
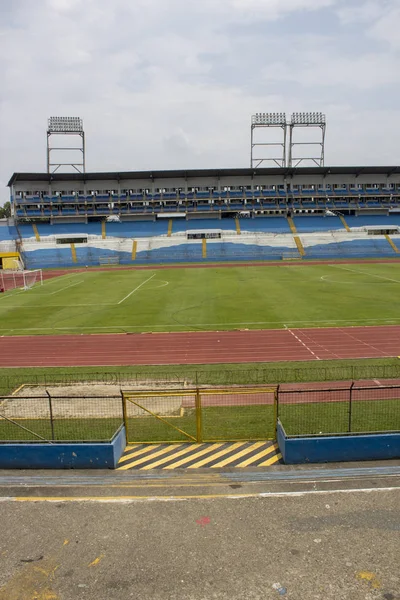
(109, 260)
(25, 280)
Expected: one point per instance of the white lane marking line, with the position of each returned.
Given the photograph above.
(131, 499)
(358, 340)
(378, 382)
(136, 288)
(66, 288)
(301, 342)
(365, 273)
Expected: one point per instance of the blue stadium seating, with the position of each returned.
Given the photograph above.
(265, 224)
(309, 223)
(135, 229)
(223, 224)
(7, 233)
(373, 220)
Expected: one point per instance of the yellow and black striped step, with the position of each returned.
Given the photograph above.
(195, 456)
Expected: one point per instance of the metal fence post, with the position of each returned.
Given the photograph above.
(124, 415)
(199, 426)
(51, 415)
(350, 405)
(276, 409)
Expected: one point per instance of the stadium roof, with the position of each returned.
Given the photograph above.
(287, 171)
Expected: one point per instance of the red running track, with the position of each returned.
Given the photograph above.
(200, 347)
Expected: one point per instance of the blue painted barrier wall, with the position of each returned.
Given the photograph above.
(338, 448)
(104, 455)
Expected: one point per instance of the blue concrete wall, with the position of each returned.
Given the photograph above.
(374, 446)
(64, 455)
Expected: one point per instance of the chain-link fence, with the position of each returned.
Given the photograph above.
(59, 418)
(197, 414)
(182, 376)
(345, 409)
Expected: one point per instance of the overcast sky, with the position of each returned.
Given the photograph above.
(173, 83)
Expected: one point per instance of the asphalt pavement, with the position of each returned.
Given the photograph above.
(301, 533)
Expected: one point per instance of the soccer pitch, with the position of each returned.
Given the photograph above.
(196, 299)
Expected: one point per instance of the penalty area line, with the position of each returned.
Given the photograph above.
(136, 288)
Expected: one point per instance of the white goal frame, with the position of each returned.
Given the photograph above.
(20, 279)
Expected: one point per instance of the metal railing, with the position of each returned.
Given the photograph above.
(339, 410)
(182, 375)
(49, 418)
(196, 414)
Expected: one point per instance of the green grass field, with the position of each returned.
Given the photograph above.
(210, 299)
(206, 299)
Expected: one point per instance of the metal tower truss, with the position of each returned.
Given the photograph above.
(265, 147)
(316, 155)
(66, 126)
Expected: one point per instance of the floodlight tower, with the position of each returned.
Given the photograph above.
(66, 126)
(265, 122)
(308, 119)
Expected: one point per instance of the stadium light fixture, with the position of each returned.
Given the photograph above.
(65, 125)
(260, 151)
(71, 126)
(269, 119)
(314, 120)
(308, 118)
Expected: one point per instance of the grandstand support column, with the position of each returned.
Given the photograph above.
(296, 238)
(134, 249)
(73, 253)
(170, 223)
(292, 225)
(36, 232)
(103, 230)
(393, 245)
(341, 217)
(204, 248)
(299, 245)
(237, 223)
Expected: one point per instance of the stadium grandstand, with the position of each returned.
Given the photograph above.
(278, 209)
(215, 215)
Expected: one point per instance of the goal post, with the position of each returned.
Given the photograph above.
(24, 279)
(32, 278)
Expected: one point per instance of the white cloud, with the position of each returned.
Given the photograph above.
(277, 8)
(387, 28)
(365, 12)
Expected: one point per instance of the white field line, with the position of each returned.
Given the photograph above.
(131, 499)
(66, 288)
(136, 288)
(365, 273)
(301, 342)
